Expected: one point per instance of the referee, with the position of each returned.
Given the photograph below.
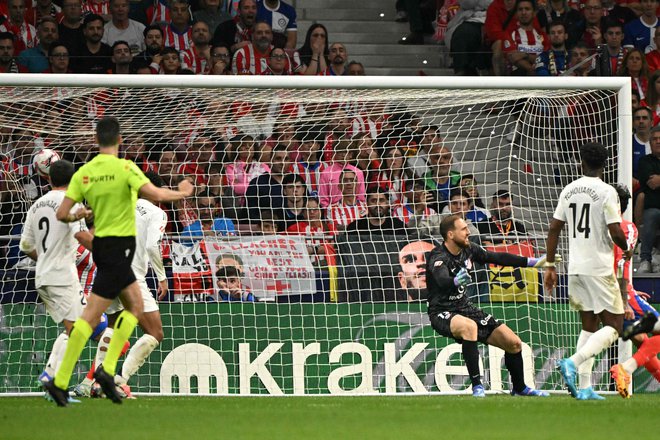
(453, 315)
(110, 186)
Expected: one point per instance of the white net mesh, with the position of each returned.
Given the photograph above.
(322, 308)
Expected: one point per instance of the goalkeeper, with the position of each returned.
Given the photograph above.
(453, 315)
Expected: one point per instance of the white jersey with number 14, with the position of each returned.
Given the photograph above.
(587, 205)
(150, 223)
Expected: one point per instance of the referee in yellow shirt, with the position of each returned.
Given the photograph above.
(110, 186)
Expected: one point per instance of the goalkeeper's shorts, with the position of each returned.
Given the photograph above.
(486, 323)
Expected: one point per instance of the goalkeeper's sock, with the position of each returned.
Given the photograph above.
(102, 348)
(124, 327)
(78, 337)
(598, 342)
(138, 355)
(514, 363)
(586, 367)
(647, 351)
(653, 367)
(471, 357)
(56, 354)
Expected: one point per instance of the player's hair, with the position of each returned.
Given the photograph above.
(90, 18)
(228, 271)
(594, 155)
(155, 179)
(61, 172)
(448, 224)
(624, 195)
(108, 131)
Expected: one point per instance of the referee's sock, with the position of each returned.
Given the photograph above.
(78, 337)
(514, 363)
(124, 327)
(471, 357)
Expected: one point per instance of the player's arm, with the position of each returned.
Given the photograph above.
(619, 239)
(85, 238)
(445, 280)
(26, 244)
(152, 192)
(64, 214)
(550, 275)
(157, 225)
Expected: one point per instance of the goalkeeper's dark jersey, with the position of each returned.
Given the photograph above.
(442, 266)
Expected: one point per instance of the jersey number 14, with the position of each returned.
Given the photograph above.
(580, 226)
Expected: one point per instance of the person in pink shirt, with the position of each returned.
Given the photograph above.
(329, 191)
(244, 168)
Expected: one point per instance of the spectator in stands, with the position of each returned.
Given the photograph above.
(525, 43)
(70, 27)
(166, 166)
(355, 68)
(211, 13)
(634, 66)
(25, 33)
(98, 7)
(441, 179)
(295, 202)
(653, 97)
(316, 232)
(209, 220)
(579, 54)
(170, 63)
(459, 204)
(500, 20)
(418, 165)
(197, 55)
(309, 165)
(554, 62)
(40, 9)
(419, 20)
(244, 168)
(237, 33)
(653, 56)
(469, 183)
(464, 38)
(392, 174)
(92, 55)
(134, 146)
(639, 33)
(178, 32)
(338, 58)
(230, 286)
(153, 42)
(252, 58)
(366, 159)
(473, 213)
(282, 19)
(121, 58)
(559, 10)
(265, 192)
(378, 219)
(7, 62)
(501, 220)
(589, 29)
(220, 61)
(610, 61)
(649, 178)
(58, 58)
(35, 59)
(123, 28)
(329, 186)
(269, 223)
(278, 63)
(642, 123)
(621, 14)
(349, 208)
(415, 209)
(314, 52)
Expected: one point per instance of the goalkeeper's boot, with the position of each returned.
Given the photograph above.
(83, 389)
(643, 325)
(107, 383)
(589, 394)
(568, 371)
(478, 391)
(621, 379)
(530, 392)
(43, 378)
(60, 396)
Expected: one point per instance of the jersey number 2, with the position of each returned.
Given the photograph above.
(44, 224)
(581, 226)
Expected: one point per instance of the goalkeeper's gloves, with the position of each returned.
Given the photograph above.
(543, 261)
(462, 278)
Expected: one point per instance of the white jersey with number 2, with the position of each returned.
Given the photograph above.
(587, 205)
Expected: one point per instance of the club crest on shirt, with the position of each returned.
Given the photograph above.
(468, 264)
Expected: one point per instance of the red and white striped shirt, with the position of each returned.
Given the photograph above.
(179, 41)
(340, 214)
(16, 167)
(363, 124)
(405, 213)
(311, 174)
(26, 33)
(101, 7)
(192, 60)
(86, 269)
(33, 16)
(314, 235)
(631, 233)
(527, 41)
(158, 12)
(247, 61)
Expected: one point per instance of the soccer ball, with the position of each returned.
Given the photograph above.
(43, 160)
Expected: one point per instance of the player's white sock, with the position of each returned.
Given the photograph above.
(585, 368)
(630, 365)
(102, 348)
(656, 327)
(598, 342)
(137, 355)
(56, 354)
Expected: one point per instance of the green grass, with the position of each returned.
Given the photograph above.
(400, 418)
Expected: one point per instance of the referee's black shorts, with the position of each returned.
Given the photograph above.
(113, 257)
(486, 323)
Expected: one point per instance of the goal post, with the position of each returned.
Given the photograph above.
(334, 312)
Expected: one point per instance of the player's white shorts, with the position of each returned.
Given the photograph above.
(63, 302)
(150, 304)
(595, 293)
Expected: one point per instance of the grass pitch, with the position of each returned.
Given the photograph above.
(400, 418)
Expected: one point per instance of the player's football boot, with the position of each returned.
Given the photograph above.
(107, 383)
(530, 392)
(478, 391)
(567, 369)
(83, 389)
(589, 394)
(125, 391)
(643, 325)
(621, 379)
(43, 378)
(60, 396)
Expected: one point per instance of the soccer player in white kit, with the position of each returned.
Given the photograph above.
(53, 245)
(150, 222)
(590, 208)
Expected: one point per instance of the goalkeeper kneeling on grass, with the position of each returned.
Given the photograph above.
(453, 315)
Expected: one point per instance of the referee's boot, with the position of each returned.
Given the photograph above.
(643, 325)
(60, 396)
(108, 385)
